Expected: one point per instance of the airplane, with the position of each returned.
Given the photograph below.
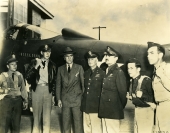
(24, 41)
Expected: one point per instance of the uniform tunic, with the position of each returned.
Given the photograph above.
(143, 123)
(113, 95)
(161, 86)
(93, 85)
(11, 104)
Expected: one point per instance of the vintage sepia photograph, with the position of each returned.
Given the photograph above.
(84, 66)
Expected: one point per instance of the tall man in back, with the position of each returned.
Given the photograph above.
(69, 89)
(113, 95)
(161, 85)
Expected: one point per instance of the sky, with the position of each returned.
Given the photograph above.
(129, 21)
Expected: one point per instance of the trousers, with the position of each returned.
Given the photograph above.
(92, 123)
(10, 114)
(163, 117)
(76, 114)
(110, 125)
(42, 105)
(144, 120)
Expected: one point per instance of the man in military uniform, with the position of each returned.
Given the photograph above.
(41, 74)
(142, 96)
(69, 90)
(93, 79)
(113, 95)
(161, 85)
(12, 91)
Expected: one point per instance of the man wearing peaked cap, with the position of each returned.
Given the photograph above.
(111, 52)
(11, 58)
(93, 79)
(12, 91)
(69, 89)
(91, 54)
(41, 74)
(113, 96)
(161, 85)
(45, 48)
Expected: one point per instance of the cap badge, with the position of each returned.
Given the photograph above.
(13, 56)
(46, 47)
(90, 53)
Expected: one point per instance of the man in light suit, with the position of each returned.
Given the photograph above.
(69, 89)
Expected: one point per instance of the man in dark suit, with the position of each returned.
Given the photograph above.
(93, 79)
(69, 89)
(113, 95)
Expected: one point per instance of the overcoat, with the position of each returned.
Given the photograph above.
(70, 86)
(93, 85)
(113, 95)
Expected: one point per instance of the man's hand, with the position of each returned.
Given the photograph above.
(25, 105)
(152, 105)
(139, 94)
(8, 90)
(38, 63)
(53, 100)
(59, 103)
(128, 96)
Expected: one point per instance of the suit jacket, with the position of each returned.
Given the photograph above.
(70, 86)
(93, 87)
(113, 96)
(33, 76)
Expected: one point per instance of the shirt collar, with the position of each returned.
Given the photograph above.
(69, 65)
(42, 59)
(137, 78)
(10, 72)
(162, 64)
(93, 69)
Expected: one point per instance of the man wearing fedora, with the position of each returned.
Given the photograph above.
(69, 89)
(113, 95)
(93, 79)
(13, 96)
(41, 74)
(161, 85)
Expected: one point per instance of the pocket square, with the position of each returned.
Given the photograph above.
(77, 74)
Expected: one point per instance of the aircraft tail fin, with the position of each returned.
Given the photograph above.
(66, 32)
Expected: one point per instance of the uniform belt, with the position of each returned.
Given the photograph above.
(43, 84)
(11, 96)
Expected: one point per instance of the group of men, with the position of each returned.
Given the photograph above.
(94, 100)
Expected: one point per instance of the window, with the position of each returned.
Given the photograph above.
(36, 18)
(20, 13)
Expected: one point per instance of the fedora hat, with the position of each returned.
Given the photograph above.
(68, 50)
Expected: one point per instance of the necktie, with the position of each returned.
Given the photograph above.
(13, 76)
(69, 69)
(91, 73)
(43, 63)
